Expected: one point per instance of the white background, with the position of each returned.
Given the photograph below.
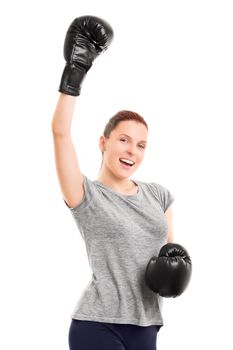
(171, 61)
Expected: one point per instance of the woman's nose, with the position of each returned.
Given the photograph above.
(131, 149)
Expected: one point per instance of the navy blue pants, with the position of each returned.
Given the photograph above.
(92, 335)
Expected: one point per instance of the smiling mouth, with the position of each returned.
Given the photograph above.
(126, 165)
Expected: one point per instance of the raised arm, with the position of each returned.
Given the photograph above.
(68, 171)
(86, 38)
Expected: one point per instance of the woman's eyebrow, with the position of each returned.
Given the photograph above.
(131, 138)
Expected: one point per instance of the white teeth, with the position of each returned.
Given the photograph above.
(127, 161)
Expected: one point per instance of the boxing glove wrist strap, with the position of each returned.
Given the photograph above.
(71, 80)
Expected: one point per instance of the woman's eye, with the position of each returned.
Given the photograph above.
(141, 146)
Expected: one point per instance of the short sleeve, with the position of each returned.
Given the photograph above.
(88, 195)
(163, 195)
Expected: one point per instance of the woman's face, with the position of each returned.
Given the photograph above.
(127, 141)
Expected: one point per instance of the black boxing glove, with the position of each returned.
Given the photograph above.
(86, 38)
(169, 273)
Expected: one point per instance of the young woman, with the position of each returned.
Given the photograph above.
(122, 221)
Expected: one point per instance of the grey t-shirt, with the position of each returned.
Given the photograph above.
(121, 234)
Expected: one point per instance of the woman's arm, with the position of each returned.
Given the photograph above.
(86, 38)
(62, 118)
(169, 219)
(68, 171)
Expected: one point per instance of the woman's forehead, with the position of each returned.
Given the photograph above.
(132, 130)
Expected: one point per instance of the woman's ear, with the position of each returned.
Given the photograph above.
(102, 143)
